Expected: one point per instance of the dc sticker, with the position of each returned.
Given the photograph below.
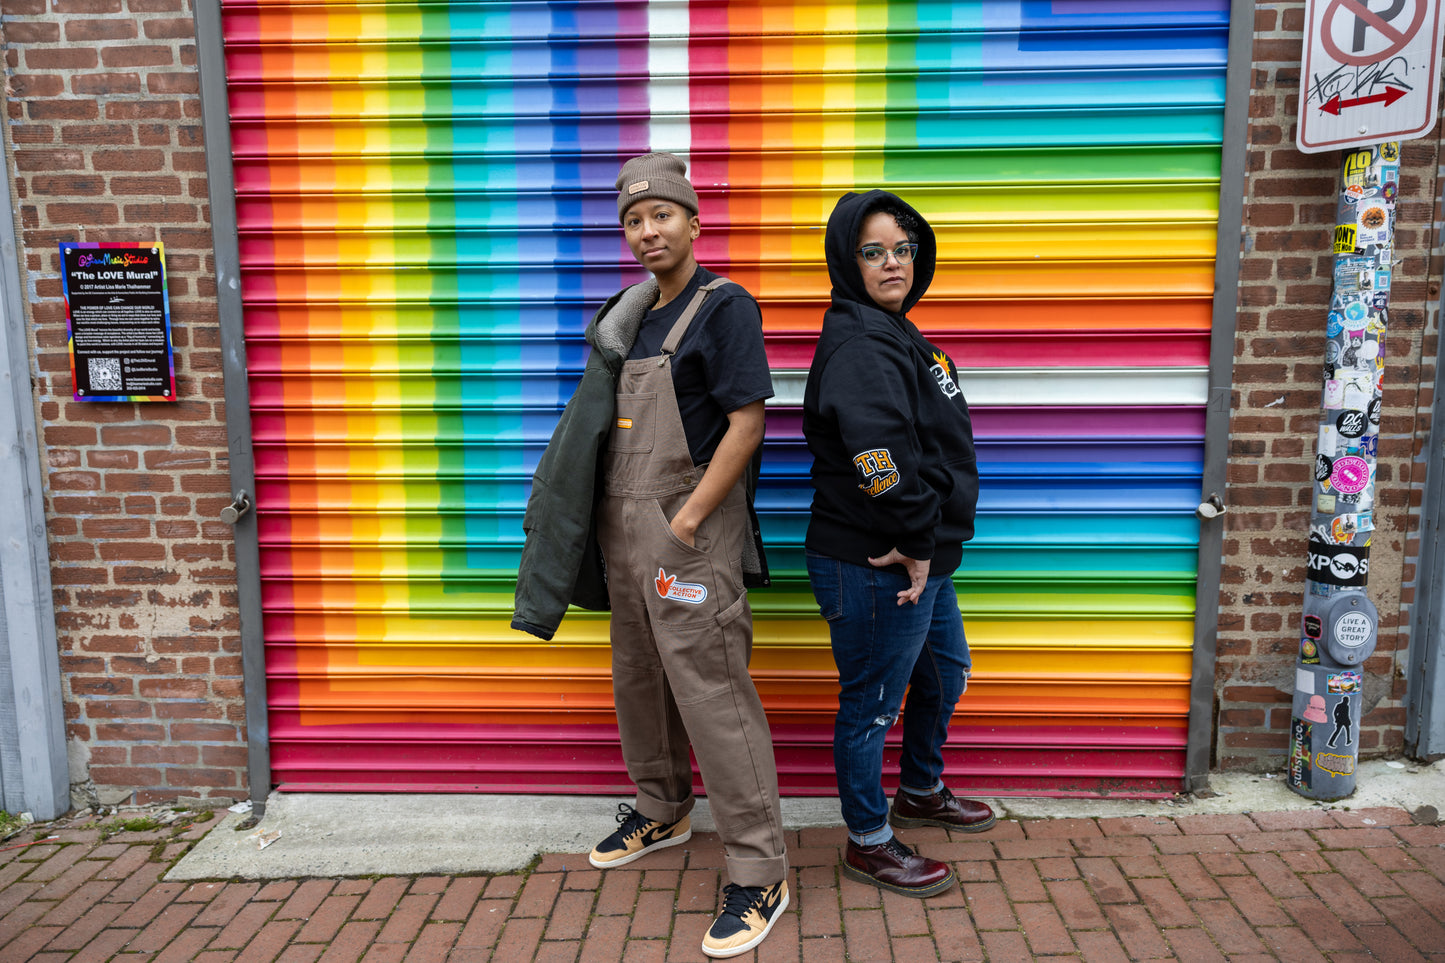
(669, 587)
(1351, 424)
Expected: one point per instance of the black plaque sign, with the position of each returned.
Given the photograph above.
(120, 322)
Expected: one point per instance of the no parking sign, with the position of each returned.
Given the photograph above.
(1370, 72)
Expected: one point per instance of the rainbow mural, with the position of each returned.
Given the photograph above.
(427, 222)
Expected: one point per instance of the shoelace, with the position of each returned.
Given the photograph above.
(630, 821)
(737, 900)
(895, 846)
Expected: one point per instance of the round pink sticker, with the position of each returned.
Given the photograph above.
(1351, 474)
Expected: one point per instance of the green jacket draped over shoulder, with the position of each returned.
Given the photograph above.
(561, 560)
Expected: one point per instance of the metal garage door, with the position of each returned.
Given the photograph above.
(426, 223)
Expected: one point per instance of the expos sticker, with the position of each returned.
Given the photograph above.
(1351, 473)
(1337, 564)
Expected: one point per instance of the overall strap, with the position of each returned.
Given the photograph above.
(674, 337)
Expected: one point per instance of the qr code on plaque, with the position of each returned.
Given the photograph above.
(105, 374)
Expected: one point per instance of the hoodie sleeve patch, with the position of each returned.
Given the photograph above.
(877, 471)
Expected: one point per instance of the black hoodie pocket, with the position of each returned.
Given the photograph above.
(961, 503)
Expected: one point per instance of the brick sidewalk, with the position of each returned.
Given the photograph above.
(1304, 885)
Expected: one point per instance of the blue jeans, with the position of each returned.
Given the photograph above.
(883, 649)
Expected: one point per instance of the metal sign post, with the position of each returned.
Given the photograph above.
(1368, 79)
(1338, 629)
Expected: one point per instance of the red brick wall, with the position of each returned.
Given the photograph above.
(105, 134)
(1279, 352)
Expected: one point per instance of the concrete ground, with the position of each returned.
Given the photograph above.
(1251, 873)
(322, 834)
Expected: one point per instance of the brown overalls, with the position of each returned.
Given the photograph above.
(682, 630)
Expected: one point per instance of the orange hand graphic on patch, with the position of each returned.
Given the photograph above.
(669, 587)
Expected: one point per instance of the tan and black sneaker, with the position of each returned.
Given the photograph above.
(748, 913)
(637, 835)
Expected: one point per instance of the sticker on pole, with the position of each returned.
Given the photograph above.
(1347, 565)
(1370, 72)
(1353, 629)
(1350, 474)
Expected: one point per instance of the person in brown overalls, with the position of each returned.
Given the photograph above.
(674, 522)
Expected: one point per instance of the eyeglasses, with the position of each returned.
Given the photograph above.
(876, 255)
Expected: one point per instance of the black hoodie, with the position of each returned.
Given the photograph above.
(888, 427)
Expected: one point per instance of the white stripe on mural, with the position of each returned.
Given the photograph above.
(669, 127)
(1052, 386)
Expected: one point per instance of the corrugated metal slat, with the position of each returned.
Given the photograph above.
(425, 205)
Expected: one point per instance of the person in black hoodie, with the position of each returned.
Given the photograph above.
(895, 486)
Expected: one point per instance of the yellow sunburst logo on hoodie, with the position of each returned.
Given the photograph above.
(941, 373)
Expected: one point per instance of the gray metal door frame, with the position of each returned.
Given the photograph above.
(34, 775)
(1198, 754)
(1425, 679)
(216, 122)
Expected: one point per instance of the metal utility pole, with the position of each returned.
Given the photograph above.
(1339, 626)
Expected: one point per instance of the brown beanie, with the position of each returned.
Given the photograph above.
(654, 175)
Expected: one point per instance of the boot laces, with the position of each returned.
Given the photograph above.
(897, 847)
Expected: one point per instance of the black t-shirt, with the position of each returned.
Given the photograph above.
(720, 366)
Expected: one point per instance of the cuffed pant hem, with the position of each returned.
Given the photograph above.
(662, 810)
(872, 839)
(922, 793)
(748, 871)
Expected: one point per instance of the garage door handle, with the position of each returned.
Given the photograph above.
(239, 506)
(1211, 507)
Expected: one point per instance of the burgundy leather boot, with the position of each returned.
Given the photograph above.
(893, 866)
(942, 808)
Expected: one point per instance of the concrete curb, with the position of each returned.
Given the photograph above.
(326, 835)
